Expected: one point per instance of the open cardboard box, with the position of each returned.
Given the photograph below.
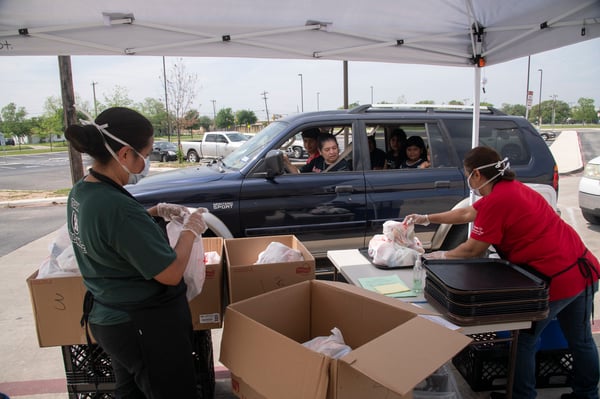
(58, 302)
(207, 307)
(393, 349)
(247, 279)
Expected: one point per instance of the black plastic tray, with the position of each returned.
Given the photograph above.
(478, 320)
(484, 280)
(486, 309)
(365, 253)
(469, 298)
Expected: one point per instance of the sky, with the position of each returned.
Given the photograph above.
(568, 73)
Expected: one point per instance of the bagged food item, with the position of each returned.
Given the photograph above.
(277, 252)
(388, 253)
(211, 258)
(61, 262)
(195, 271)
(332, 346)
(403, 234)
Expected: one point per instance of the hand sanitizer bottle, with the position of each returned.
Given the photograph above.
(418, 276)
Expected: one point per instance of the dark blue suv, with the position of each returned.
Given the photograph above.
(252, 194)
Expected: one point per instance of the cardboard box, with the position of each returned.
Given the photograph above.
(245, 279)
(393, 349)
(58, 303)
(57, 307)
(207, 308)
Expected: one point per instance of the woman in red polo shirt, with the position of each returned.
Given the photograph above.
(524, 229)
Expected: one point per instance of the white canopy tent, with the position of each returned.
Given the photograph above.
(467, 33)
(437, 32)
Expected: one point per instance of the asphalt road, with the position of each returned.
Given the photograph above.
(49, 171)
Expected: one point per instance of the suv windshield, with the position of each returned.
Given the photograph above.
(251, 148)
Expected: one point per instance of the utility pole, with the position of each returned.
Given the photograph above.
(95, 103)
(318, 100)
(70, 116)
(214, 113)
(264, 94)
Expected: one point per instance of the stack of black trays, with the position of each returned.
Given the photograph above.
(483, 291)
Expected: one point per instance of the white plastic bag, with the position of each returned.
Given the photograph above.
(332, 346)
(388, 253)
(195, 271)
(277, 252)
(61, 262)
(403, 234)
(211, 258)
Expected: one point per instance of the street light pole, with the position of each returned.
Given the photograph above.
(371, 94)
(95, 103)
(301, 93)
(553, 97)
(540, 100)
(318, 100)
(166, 100)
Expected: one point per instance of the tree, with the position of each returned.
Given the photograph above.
(205, 122)
(585, 111)
(513, 109)
(118, 98)
(14, 122)
(51, 122)
(455, 102)
(225, 118)
(190, 120)
(154, 110)
(245, 117)
(426, 102)
(181, 88)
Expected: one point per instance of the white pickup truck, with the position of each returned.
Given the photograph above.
(213, 145)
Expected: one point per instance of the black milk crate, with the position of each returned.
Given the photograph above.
(89, 372)
(484, 364)
(90, 375)
(553, 368)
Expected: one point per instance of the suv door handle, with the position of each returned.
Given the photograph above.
(344, 189)
(442, 184)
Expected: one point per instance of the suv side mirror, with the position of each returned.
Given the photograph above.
(274, 164)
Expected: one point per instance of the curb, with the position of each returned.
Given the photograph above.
(36, 201)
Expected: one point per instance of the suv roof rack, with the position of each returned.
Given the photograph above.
(422, 108)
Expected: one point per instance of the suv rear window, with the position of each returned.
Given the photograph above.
(504, 136)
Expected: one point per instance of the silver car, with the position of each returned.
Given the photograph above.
(589, 191)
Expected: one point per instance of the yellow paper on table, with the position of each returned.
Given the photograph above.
(394, 288)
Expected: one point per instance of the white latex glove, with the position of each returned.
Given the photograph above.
(418, 219)
(435, 255)
(195, 222)
(172, 212)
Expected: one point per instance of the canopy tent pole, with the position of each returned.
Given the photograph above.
(476, 106)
